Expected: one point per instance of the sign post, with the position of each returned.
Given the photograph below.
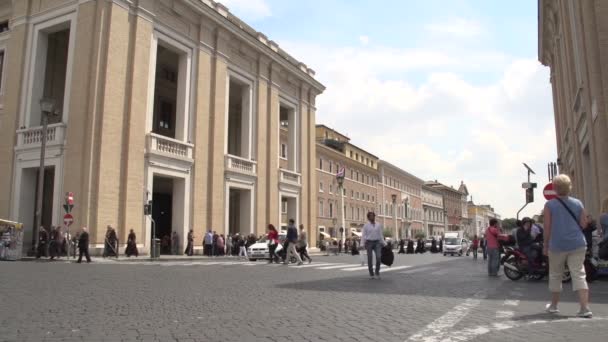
(68, 219)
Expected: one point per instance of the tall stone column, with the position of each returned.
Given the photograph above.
(272, 165)
(262, 200)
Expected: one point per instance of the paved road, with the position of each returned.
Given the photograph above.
(421, 298)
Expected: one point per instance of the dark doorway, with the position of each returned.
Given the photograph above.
(162, 211)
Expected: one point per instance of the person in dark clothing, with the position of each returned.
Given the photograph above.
(53, 243)
(291, 243)
(190, 247)
(131, 245)
(410, 246)
(401, 247)
(83, 245)
(339, 246)
(440, 245)
(43, 239)
(525, 242)
(434, 248)
(420, 246)
(588, 232)
(110, 243)
(483, 243)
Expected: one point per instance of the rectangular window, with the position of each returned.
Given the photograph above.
(321, 187)
(351, 154)
(331, 210)
(351, 174)
(321, 213)
(358, 214)
(331, 188)
(284, 207)
(320, 164)
(373, 198)
(352, 194)
(284, 151)
(331, 167)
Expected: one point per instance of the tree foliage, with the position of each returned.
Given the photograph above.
(509, 223)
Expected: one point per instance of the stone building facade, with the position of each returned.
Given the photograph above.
(573, 43)
(334, 151)
(453, 200)
(400, 201)
(433, 210)
(174, 101)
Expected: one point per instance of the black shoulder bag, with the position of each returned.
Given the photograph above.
(578, 223)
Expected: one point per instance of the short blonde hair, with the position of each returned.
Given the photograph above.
(562, 185)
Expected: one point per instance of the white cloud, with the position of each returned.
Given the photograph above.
(249, 9)
(442, 126)
(364, 40)
(456, 27)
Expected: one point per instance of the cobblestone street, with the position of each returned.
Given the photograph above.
(421, 298)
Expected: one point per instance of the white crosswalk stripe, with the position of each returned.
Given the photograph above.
(416, 270)
(333, 266)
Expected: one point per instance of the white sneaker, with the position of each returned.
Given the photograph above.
(551, 309)
(585, 313)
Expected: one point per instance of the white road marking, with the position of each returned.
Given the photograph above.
(360, 268)
(440, 329)
(464, 335)
(334, 266)
(440, 272)
(504, 314)
(509, 302)
(392, 269)
(416, 270)
(316, 265)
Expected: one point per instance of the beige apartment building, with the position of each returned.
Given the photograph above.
(480, 216)
(433, 210)
(174, 101)
(400, 201)
(573, 42)
(335, 151)
(454, 201)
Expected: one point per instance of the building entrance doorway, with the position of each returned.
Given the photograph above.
(162, 211)
(239, 212)
(28, 200)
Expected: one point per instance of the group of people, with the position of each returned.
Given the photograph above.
(53, 243)
(406, 246)
(295, 244)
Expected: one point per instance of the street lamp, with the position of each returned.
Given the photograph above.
(394, 198)
(47, 107)
(340, 178)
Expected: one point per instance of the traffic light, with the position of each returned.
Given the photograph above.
(530, 195)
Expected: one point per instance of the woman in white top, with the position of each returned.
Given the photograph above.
(373, 240)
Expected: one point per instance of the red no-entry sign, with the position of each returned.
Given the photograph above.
(549, 192)
(68, 219)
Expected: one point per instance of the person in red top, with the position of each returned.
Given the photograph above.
(475, 246)
(273, 242)
(492, 248)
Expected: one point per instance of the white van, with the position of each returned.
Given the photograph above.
(454, 243)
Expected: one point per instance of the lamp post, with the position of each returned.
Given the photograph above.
(340, 178)
(394, 198)
(47, 107)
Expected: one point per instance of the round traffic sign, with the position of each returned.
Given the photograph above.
(549, 192)
(68, 219)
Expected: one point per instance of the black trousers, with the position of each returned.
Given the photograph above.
(41, 250)
(272, 255)
(304, 253)
(84, 251)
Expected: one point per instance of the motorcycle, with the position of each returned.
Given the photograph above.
(594, 266)
(516, 266)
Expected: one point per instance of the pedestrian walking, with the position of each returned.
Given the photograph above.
(401, 246)
(292, 242)
(483, 242)
(131, 244)
(174, 243)
(273, 242)
(373, 240)
(229, 245)
(475, 246)
(410, 246)
(242, 243)
(221, 245)
(303, 244)
(190, 246)
(565, 219)
(53, 243)
(492, 246)
(434, 248)
(339, 246)
(83, 245)
(110, 242)
(43, 238)
(208, 243)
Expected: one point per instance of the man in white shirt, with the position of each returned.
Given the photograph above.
(373, 240)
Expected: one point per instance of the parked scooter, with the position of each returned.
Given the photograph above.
(594, 266)
(516, 265)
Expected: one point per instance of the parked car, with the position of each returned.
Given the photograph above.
(259, 250)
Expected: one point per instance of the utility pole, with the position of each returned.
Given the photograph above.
(340, 178)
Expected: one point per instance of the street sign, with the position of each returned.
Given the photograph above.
(68, 219)
(549, 192)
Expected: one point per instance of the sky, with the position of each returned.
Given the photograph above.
(447, 90)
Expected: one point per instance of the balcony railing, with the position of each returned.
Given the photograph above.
(240, 165)
(169, 146)
(32, 136)
(290, 177)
